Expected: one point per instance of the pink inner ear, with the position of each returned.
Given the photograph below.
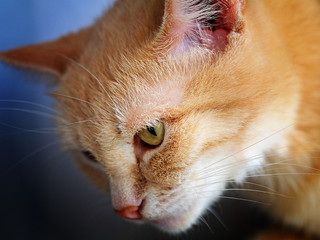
(212, 33)
(215, 40)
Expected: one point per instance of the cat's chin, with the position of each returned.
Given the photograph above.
(176, 224)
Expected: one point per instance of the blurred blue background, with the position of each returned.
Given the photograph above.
(42, 194)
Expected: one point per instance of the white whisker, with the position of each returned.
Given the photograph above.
(243, 199)
(263, 139)
(88, 71)
(28, 156)
(206, 223)
(217, 217)
(284, 174)
(81, 100)
(44, 114)
(29, 103)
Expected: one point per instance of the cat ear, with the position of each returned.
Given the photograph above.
(199, 23)
(52, 57)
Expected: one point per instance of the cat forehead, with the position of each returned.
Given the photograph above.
(148, 104)
(146, 89)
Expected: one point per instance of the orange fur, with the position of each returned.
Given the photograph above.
(257, 94)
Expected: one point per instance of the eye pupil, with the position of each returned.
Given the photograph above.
(152, 135)
(152, 130)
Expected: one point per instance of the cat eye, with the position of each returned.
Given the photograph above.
(152, 135)
(89, 156)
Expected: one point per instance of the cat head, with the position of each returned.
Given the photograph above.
(160, 100)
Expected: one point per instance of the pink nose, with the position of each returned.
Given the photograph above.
(129, 212)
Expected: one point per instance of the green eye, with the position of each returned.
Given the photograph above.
(152, 135)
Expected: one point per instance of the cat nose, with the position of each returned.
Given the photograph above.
(130, 212)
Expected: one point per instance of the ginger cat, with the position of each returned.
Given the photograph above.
(175, 99)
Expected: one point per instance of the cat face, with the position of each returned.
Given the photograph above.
(174, 182)
(178, 66)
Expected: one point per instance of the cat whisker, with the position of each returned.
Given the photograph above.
(39, 113)
(217, 217)
(281, 170)
(226, 167)
(40, 130)
(92, 120)
(202, 219)
(24, 130)
(285, 164)
(274, 174)
(202, 195)
(284, 174)
(246, 148)
(207, 169)
(270, 192)
(258, 185)
(244, 200)
(293, 165)
(84, 101)
(29, 156)
(30, 103)
(211, 171)
(252, 190)
(231, 181)
(60, 152)
(91, 74)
